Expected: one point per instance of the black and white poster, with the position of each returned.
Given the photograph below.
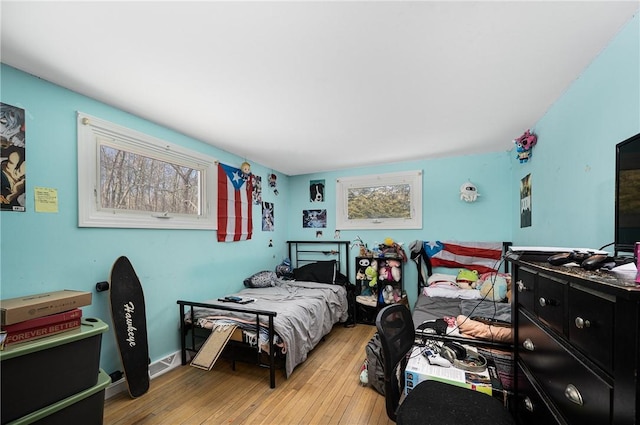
(314, 219)
(12, 158)
(525, 201)
(268, 219)
(316, 190)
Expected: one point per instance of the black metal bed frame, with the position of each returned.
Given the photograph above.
(300, 253)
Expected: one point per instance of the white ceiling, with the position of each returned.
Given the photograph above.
(304, 86)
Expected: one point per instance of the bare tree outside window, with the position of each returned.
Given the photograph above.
(135, 182)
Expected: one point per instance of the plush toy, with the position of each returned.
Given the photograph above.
(384, 273)
(395, 269)
(469, 192)
(372, 274)
(364, 373)
(524, 145)
(246, 170)
(388, 295)
(494, 289)
(467, 279)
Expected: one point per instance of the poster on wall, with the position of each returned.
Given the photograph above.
(257, 189)
(313, 219)
(525, 201)
(268, 219)
(12, 158)
(316, 190)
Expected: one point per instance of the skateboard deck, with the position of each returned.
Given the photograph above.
(130, 325)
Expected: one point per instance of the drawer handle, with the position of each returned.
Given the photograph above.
(528, 345)
(572, 393)
(582, 323)
(521, 287)
(528, 404)
(546, 302)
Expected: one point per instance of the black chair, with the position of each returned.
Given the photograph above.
(430, 402)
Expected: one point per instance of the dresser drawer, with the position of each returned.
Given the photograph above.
(580, 395)
(530, 408)
(550, 301)
(525, 285)
(591, 321)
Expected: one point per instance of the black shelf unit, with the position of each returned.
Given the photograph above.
(386, 289)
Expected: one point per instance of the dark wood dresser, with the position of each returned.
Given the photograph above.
(577, 343)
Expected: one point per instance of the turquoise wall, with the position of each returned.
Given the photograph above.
(43, 252)
(572, 171)
(573, 165)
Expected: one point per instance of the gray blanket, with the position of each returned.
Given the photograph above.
(432, 308)
(306, 311)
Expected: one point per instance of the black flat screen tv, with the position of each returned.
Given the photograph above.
(627, 215)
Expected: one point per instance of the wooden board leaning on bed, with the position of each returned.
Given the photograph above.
(288, 317)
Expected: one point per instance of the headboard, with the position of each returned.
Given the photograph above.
(305, 252)
(481, 256)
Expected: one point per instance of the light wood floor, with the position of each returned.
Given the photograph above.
(325, 389)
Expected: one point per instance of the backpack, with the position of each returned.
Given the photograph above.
(375, 363)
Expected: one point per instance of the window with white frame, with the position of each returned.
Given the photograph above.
(131, 180)
(384, 201)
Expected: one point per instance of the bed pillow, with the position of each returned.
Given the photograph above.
(441, 277)
(262, 279)
(321, 272)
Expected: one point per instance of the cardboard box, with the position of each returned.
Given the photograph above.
(419, 369)
(16, 310)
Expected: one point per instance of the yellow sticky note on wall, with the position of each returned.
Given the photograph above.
(46, 199)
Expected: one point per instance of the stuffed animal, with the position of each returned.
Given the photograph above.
(385, 273)
(467, 279)
(469, 192)
(372, 274)
(246, 170)
(524, 145)
(388, 295)
(491, 276)
(494, 289)
(396, 274)
(364, 373)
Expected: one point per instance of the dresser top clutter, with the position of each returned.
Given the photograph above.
(611, 282)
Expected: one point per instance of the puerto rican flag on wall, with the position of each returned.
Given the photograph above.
(234, 205)
(481, 256)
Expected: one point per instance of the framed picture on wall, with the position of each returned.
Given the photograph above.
(12, 155)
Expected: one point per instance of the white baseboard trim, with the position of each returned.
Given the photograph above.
(156, 369)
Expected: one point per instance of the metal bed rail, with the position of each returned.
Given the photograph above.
(258, 313)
